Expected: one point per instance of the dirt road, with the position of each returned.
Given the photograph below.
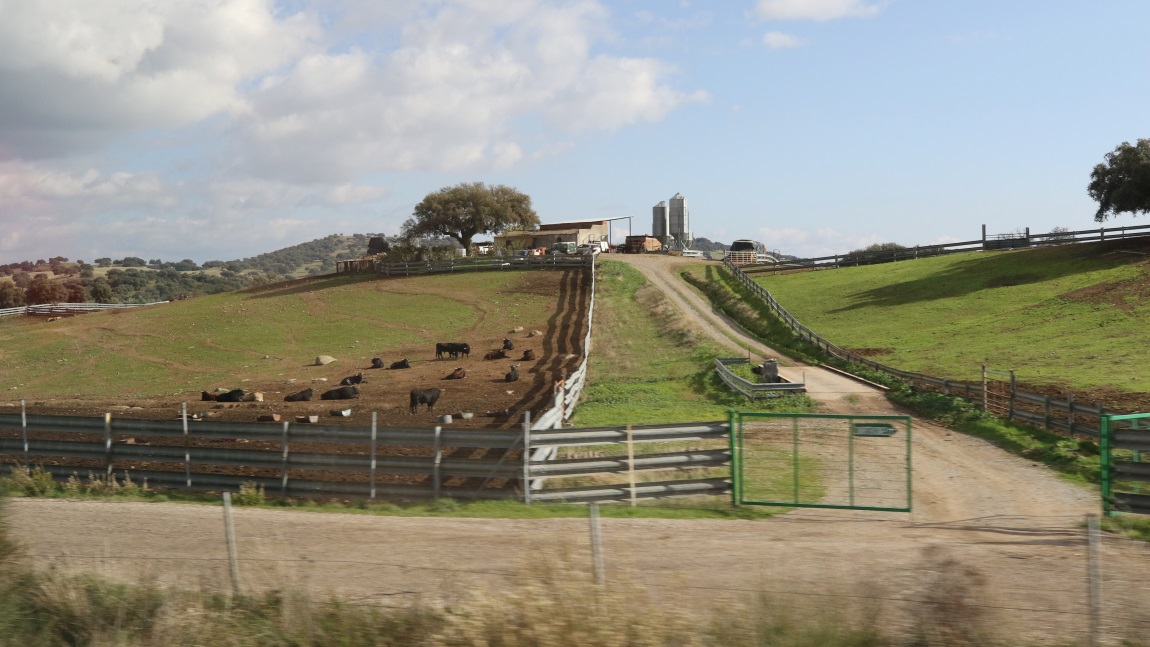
(985, 522)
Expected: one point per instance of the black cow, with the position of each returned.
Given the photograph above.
(498, 353)
(457, 374)
(424, 396)
(235, 395)
(300, 396)
(513, 374)
(507, 345)
(528, 356)
(376, 362)
(342, 393)
(207, 397)
(403, 363)
(452, 349)
(352, 379)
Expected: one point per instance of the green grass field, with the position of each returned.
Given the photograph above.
(649, 366)
(1075, 316)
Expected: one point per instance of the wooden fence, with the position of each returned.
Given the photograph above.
(1063, 415)
(465, 264)
(992, 242)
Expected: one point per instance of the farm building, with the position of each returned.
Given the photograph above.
(583, 231)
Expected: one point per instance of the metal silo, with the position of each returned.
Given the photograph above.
(679, 221)
(659, 221)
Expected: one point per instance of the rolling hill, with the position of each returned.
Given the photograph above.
(1069, 317)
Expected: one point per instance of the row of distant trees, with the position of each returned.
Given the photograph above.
(135, 280)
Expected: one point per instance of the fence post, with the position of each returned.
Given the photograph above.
(1046, 412)
(435, 466)
(984, 396)
(108, 444)
(527, 457)
(187, 446)
(597, 545)
(284, 463)
(631, 463)
(1070, 412)
(1012, 391)
(24, 429)
(230, 536)
(371, 494)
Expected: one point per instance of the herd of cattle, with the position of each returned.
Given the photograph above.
(349, 390)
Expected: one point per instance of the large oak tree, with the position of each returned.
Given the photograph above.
(468, 209)
(1123, 182)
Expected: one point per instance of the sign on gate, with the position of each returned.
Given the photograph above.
(1125, 457)
(821, 461)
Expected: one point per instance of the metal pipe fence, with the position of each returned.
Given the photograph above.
(306, 460)
(70, 308)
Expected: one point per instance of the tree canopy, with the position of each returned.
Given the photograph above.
(465, 210)
(1123, 182)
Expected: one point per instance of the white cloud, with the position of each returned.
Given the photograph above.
(816, 9)
(225, 116)
(76, 74)
(458, 91)
(779, 40)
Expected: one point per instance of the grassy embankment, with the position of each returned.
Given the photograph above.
(1037, 311)
(1071, 316)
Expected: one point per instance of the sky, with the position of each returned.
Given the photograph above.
(223, 129)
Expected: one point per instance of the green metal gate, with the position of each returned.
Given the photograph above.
(821, 461)
(1125, 466)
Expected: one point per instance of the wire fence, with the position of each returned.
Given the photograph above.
(1004, 580)
(1068, 416)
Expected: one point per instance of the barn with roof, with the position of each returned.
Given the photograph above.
(579, 231)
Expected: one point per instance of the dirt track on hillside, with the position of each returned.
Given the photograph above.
(1001, 528)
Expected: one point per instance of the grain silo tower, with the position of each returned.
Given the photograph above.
(660, 221)
(679, 222)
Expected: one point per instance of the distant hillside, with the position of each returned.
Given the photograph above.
(135, 280)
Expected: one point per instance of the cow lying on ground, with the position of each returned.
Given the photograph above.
(342, 393)
(528, 356)
(424, 396)
(513, 374)
(235, 395)
(376, 362)
(403, 363)
(300, 396)
(496, 354)
(452, 349)
(352, 379)
(457, 374)
(507, 345)
(253, 396)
